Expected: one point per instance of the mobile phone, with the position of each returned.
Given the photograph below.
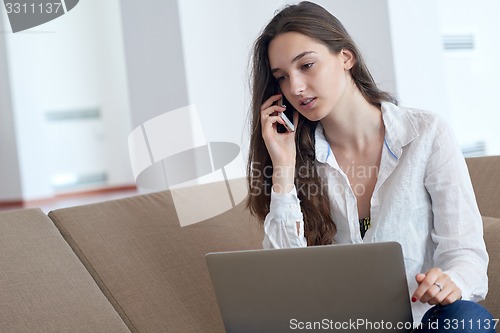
(286, 116)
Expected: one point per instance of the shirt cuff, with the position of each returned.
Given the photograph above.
(285, 206)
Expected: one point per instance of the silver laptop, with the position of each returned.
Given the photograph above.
(357, 288)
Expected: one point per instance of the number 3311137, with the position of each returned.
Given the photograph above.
(456, 324)
(40, 8)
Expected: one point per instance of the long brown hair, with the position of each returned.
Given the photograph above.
(315, 22)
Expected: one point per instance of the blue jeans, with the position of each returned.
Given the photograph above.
(460, 316)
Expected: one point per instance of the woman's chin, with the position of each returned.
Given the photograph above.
(312, 116)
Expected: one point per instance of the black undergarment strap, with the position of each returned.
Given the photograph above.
(364, 225)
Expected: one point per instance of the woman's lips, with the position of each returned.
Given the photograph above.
(307, 103)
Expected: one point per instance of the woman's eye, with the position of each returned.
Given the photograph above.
(280, 78)
(308, 65)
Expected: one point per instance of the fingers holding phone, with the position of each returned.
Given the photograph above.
(269, 114)
(275, 113)
(278, 133)
(287, 125)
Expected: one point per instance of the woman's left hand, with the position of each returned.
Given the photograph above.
(436, 287)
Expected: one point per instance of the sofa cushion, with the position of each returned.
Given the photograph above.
(485, 175)
(151, 268)
(492, 239)
(43, 285)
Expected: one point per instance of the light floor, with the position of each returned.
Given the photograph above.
(71, 200)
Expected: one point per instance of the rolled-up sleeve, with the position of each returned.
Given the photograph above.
(280, 225)
(457, 229)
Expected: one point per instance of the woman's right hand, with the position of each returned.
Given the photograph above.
(281, 146)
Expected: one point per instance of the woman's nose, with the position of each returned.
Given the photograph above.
(297, 85)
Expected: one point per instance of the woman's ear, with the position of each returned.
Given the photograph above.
(348, 58)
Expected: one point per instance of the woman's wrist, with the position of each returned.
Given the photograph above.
(283, 178)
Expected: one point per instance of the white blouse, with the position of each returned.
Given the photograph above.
(423, 199)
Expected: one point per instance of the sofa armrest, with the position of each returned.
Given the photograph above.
(492, 239)
(43, 285)
(485, 176)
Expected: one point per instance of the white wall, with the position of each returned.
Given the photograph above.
(417, 54)
(113, 91)
(73, 62)
(154, 58)
(472, 75)
(30, 72)
(10, 182)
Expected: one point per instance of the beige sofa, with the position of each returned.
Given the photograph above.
(127, 265)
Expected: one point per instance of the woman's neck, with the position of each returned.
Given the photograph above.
(354, 124)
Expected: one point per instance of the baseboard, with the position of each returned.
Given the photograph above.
(14, 204)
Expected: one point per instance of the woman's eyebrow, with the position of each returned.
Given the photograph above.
(296, 58)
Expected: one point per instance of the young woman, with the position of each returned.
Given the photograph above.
(358, 168)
